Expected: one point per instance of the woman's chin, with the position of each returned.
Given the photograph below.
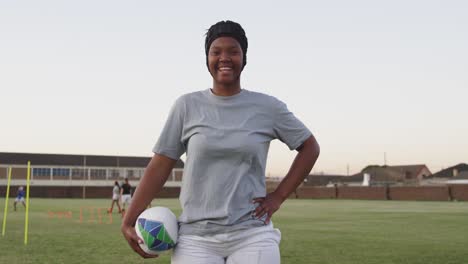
(226, 81)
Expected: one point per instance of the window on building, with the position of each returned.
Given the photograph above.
(115, 173)
(97, 174)
(41, 172)
(130, 174)
(178, 175)
(60, 172)
(79, 173)
(135, 173)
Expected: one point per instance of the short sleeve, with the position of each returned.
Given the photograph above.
(287, 127)
(169, 143)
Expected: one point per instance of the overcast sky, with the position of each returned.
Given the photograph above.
(367, 77)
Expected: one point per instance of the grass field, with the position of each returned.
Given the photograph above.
(314, 231)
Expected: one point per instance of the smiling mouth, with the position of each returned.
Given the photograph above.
(224, 69)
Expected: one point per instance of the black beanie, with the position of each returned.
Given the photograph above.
(226, 29)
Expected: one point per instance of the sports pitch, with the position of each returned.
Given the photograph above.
(313, 231)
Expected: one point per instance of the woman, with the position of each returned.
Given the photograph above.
(115, 197)
(225, 132)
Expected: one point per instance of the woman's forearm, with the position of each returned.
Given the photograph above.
(305, 159)
(156, 174)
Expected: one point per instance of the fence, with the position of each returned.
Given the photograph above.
(400, 193)
(77, 192)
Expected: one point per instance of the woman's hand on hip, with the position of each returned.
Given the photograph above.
(267, 205)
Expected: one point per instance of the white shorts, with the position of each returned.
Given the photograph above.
(115, 197)
(19, 199)
(258, 245)
(126, 199)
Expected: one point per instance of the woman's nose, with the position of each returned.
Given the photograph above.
(224, 56)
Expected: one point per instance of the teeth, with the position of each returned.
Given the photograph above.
(225, 68)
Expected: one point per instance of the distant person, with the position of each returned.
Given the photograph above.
(225, 132)
(20, 194)
(125, 194)
(115, 197)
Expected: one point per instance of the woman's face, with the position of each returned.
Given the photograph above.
(225, 60)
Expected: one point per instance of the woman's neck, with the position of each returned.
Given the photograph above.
(226, 90)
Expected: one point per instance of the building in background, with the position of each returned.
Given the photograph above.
(457, 174)
(412, 175)
(77, 170)
(407, 175)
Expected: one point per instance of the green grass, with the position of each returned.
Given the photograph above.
(313, 231)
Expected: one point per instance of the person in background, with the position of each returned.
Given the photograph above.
(115, 197)
(126, 194)
(20, 194)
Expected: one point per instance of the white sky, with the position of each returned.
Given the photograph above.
(367, 77)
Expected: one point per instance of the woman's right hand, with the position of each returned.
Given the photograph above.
(134, 241)
(156, 174)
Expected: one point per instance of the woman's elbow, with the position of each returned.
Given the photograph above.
(311, 147)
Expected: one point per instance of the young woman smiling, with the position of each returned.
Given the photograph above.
(225, 132)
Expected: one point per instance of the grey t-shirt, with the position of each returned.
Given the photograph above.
(226, 139)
